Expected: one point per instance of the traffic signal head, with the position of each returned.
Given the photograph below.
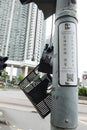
(2, 63)
(47, 6)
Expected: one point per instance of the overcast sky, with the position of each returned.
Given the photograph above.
(82, 35)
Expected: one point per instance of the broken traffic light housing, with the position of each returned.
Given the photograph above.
(2, 63)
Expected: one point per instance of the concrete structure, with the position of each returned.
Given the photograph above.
(22, 33)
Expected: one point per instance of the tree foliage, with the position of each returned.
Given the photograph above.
(4, 75)
(82, 91)
(20, 77)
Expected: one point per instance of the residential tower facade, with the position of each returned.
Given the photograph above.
(22, 32)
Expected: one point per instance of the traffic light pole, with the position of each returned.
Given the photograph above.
(64, 114)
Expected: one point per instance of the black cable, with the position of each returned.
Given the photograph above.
(51, 36)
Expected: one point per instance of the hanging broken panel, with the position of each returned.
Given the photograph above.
(39, 97)
(36, 91)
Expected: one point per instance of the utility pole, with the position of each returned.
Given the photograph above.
(64, 114)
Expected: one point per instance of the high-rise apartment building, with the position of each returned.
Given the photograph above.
(22, 32)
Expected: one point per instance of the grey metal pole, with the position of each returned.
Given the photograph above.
(64, 114)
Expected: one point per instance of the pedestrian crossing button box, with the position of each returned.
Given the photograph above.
(35, 88)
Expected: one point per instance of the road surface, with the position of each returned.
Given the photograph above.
(21, 115)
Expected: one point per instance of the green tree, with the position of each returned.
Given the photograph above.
(20, 77)
(82, 91)
(13, 80)
(4, 75)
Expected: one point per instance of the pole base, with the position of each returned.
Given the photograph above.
(56, 128)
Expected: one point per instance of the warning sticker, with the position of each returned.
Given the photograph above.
(67, 54)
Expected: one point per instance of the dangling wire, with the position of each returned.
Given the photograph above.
(51, 36)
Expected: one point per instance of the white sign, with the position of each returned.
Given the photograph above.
(67, 54)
